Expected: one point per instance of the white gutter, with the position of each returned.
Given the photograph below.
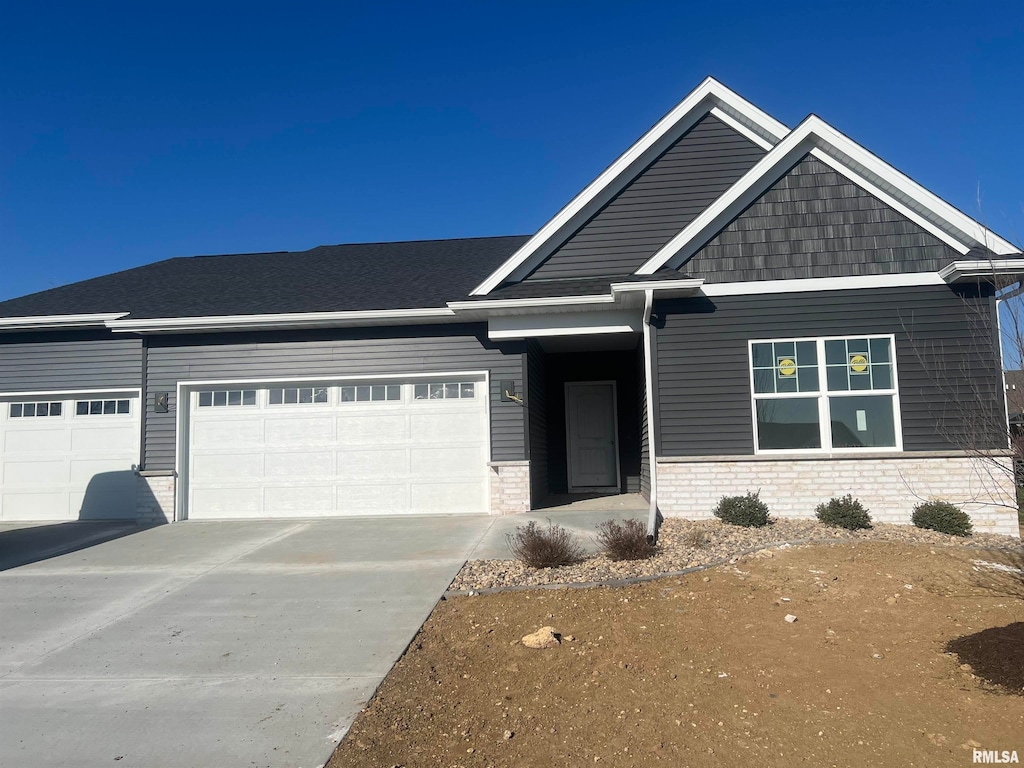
(284, 320)
(969, 270)
(682, 286)
(44, 322)
(653, 514)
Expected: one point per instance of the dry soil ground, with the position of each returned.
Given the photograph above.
(703, 670)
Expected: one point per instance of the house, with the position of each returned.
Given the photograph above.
(731, 305)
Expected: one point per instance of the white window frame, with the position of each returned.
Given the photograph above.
(445, 383)
(823, 395)
(49, 406)
(76, 415)
(371, 402)
(255, 404)
(264, 394)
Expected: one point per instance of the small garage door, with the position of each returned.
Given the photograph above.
(68, 458)
(353, 448)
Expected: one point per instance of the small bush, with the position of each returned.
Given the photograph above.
(624, 541)
(748, 511)
(943, 517)
(548, 547)
(846, 512)
(697, 538)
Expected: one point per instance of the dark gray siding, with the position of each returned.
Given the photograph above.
(656, 205)
(949, 379)
(645, 444)
(537, 413)
(333, 353)
(32, 362)
(816, 223)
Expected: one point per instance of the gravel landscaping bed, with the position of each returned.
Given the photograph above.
(676, 553)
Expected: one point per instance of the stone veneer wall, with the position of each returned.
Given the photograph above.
(155, 497)
(510, 487)
(888, 486)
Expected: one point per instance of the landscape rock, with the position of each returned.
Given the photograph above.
(545, 637)
(723, 543)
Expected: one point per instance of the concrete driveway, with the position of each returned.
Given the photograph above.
(210, 644)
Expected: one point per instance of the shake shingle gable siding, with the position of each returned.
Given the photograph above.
(814, 222)
(330, 278)
(656, 205)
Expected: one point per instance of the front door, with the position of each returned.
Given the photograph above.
(592, 436)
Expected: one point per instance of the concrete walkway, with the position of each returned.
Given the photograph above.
(212, 644)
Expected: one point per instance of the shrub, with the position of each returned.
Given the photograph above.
(748, 511)
(548, 547)
(943, 517)
(697, 538)
(624, 541)
(846, 512)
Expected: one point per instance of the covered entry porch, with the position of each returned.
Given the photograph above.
(586, 431)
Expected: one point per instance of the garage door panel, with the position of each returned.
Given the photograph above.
(446, 425)
(298, 500)
(449, 461)
(102, 498)
(446, 498)
(228, 501)
(226, 467)
(373, 428)
(318, 430)
(373, 463)
(304, 464)
(35, 506)
(21, 440)
(224, 433)
(28, 474)
(86, 470)
(101, 438)
(373, 499)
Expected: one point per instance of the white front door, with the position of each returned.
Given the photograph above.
(592, 435)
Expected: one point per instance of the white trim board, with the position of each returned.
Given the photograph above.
(574, 324)
(810, 284)
(215, 323)
(707, 96)
(67, 393)
(818, 138)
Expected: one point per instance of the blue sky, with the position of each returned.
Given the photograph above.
(135, 132)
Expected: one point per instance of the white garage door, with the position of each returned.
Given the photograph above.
(353, 448)
(68, 458)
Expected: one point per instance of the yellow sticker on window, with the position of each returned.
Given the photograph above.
(858, 364)
(787, 366)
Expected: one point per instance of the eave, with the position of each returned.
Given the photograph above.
(58, 322)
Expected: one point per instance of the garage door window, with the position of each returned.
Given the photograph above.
(458, 390)
(298, 396)
(102, 407)
(226, 398)
(23, 410)
(371, 393)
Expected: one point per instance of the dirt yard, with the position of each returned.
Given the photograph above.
(705, 670)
